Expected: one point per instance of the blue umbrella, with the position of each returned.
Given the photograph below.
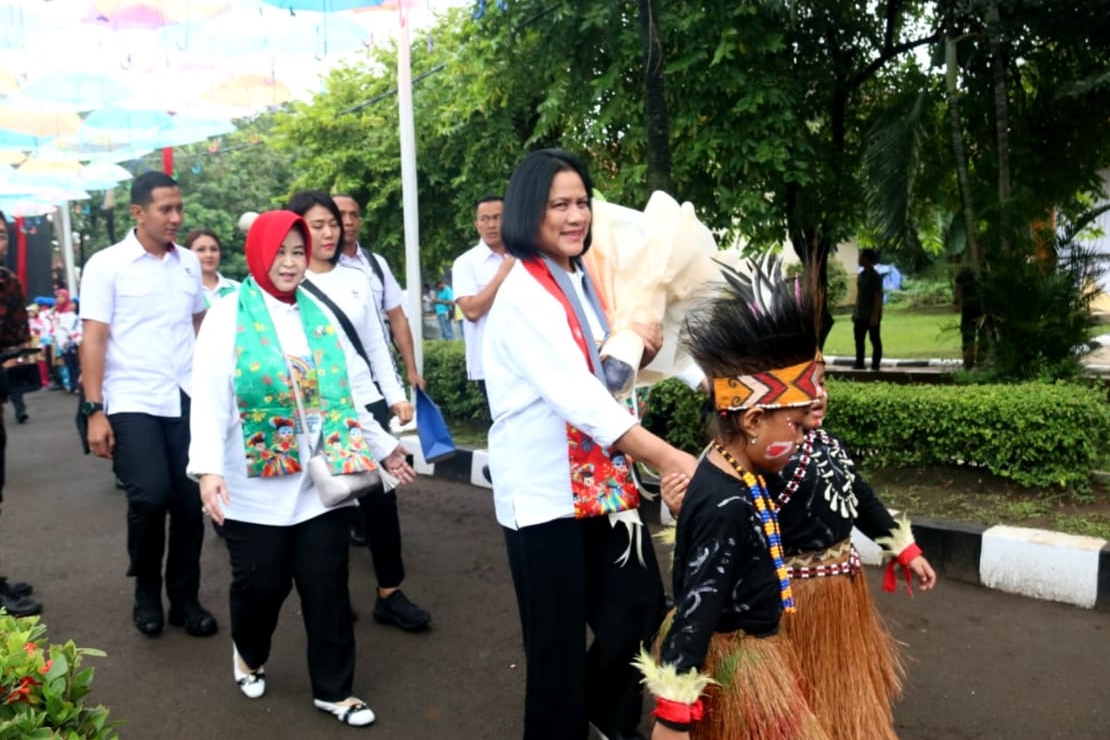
(75, 91)
(44, 300)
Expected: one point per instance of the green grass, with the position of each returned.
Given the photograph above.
(915, 333)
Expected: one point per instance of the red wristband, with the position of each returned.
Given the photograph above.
(908, 554)
(890, 577)
(678, 712)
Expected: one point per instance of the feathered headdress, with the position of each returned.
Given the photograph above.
(757, 340)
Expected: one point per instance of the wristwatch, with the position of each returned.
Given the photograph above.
(88, 408)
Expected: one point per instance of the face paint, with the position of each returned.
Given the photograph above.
(775, 450)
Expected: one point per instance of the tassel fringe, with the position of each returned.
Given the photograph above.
(850, 661)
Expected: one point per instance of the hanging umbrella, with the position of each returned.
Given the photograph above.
(102, 176)
(48, 173)
(15, 141)
(8, 83)
(22, 117)
(325, 6)
(187, 130)
(119, 14)
(250, 93)
(266, 30)
(74, 91)
(17, 19)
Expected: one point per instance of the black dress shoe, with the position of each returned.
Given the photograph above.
(148, 618)
(196, 620)
(19, 606)
(22, 418)
(15, 589)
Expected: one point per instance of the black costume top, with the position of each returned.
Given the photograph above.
(724, 578)
(820, 496)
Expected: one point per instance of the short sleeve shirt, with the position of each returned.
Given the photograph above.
(148, 304)
(472, 272)
(387, 293)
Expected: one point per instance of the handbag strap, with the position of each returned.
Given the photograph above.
(300, 408)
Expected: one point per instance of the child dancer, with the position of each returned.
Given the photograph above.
(723, 672)
(849, 658)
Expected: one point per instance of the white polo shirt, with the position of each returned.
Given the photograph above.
(472, 272)
(387, 295)
(148, 304)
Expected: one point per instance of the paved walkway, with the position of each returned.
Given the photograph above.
(983, 665)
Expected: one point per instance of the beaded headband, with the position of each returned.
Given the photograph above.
(779, 388)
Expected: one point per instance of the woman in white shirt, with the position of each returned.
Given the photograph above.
(206, 245)
(270, 386)
(67, 338)
(348, 288)
(559, 450)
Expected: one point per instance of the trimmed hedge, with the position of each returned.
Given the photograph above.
(445, 374)
(1035, 434)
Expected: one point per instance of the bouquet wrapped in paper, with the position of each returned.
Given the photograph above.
(649, 267)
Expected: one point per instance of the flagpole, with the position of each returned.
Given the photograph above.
(409, 194)
(65, 242)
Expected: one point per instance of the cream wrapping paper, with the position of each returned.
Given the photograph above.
(650, 267)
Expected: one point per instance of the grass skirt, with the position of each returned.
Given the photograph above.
(850, 661)
(757, 696)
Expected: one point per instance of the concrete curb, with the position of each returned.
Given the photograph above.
(1036, 563)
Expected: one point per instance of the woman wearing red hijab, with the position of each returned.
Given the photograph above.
(272, 373)
(67, 338)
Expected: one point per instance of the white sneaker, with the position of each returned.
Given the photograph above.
(353, 712)
(251, 683)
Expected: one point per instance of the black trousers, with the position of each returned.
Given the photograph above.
(863, 329)
(566, 577)
(383, 536)
(266, 562)
(150, 456)
(382, 522)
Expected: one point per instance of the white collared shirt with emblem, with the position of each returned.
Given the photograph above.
(387, 294)
(148, 304)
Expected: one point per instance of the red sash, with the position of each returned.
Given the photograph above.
(600, 477)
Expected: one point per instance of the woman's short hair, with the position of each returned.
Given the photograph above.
(304, 201)
(527, 195)
(195, 234)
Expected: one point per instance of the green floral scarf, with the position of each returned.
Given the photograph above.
(264, 391)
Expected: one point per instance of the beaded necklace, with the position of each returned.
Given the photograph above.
(757, 490)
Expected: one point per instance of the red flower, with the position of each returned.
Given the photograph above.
(46, 668)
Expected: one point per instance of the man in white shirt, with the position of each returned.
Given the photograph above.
(380, 525)
(141, 305)
(387, 292)
(476, 276)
